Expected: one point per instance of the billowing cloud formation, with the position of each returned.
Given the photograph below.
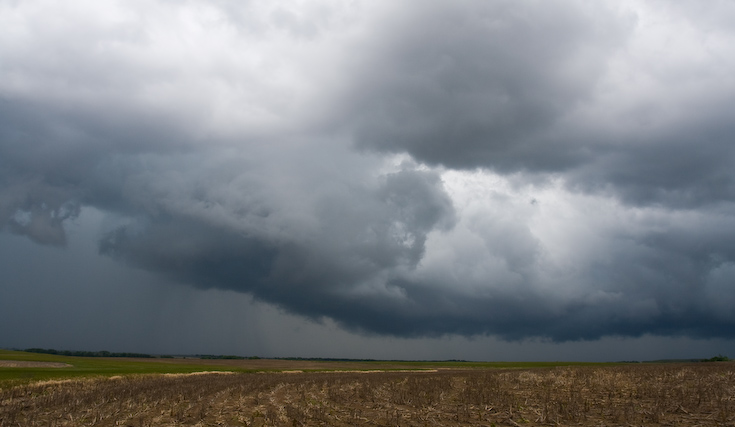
(484, 84)
(518, 169)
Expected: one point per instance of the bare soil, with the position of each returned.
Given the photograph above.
(686, 395)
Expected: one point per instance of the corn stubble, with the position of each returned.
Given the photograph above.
(685, 395)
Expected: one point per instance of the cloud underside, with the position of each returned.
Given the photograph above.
(505, 168)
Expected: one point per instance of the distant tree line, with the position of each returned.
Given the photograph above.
(86, 353)
(327, 359)
(211, 356)
(718, 358)
(118, 354)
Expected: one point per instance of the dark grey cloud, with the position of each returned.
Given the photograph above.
(478, 84)
(686, 166)
(356, 237)
(511, 169)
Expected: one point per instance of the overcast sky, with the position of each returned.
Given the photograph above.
(488, 180)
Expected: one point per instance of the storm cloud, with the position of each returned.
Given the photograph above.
(515, 169)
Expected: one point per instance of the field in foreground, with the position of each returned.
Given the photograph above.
(639, 394)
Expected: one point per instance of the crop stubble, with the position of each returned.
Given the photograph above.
(638, 394)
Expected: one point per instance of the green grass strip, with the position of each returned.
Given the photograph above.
(91, 366)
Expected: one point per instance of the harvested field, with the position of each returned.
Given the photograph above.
(700, 394)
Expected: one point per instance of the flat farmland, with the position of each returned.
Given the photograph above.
(38, 366)
(694, 394)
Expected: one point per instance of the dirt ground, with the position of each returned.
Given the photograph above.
(685, 395)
